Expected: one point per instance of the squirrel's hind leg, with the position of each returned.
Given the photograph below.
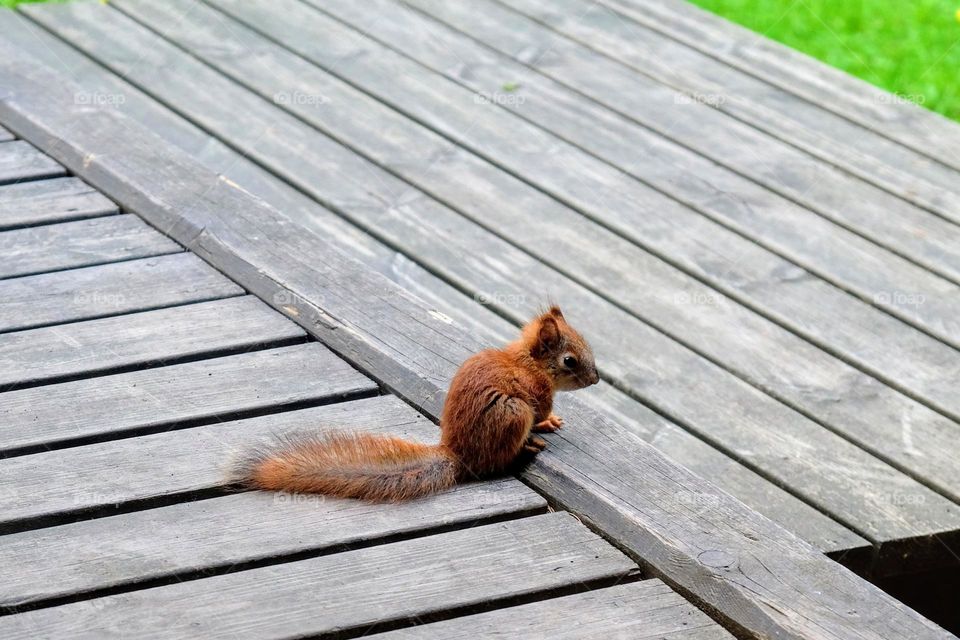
(534, 444)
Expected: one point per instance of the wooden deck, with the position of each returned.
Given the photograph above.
(120, 411)
(765, 255)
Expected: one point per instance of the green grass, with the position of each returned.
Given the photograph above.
(908, 47)
(13, 3)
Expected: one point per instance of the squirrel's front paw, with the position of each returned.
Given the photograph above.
(551, 424)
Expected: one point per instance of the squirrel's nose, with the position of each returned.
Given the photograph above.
(596, 377)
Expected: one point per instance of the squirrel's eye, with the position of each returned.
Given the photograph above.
(569, 362)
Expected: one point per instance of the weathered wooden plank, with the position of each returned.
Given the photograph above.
(746, 485)
(759, 493)
(805, 125)
(785, 228)
(20, 161)
(127, 99)
(349, 592)
(227, 533)
(895, 117)
(121, 404)
(672, 232)
(5, 135)
(783, 587)
(82, 243)
(110, 289)
(49, 487)
(46, 48)
(639, 610)
(163, 336)
(729, 475)
(781, 169)
(649, 289)
(45, 201)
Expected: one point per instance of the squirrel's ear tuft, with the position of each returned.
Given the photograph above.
(548, 337)
(555, 312)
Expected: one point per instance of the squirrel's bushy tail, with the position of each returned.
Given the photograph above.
(350, 465)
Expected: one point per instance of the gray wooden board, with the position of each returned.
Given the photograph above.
(847, 260)
(793, 174)
(765, 496)
(761, 494)
(52, 486)
(127, 99)
(695, 454)
(48, 49)
(222, 533)
(645, 610)
(5, 135)
(46, 201)
(807, 126)
(416, 229)
(895, 117)
(81, 243)
(783, 587)
(79, 349)
(796, 177)
(352, 591)
(110, 406)
(109, 289)
(673, 233)
(731, 476)
(194, 140)
(754, 276)
(20, 161)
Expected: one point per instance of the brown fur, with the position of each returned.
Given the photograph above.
(497, 399)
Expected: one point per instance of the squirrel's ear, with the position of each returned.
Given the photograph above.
(555, 312)
(548, 336)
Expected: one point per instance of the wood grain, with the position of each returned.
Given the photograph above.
(389, 333)
(649, 286)
(148, 338)
(352, 591)
(151, 399)
(694, 315)
(45, 201)
(224, 159)
(739, 206)
(923, 130)
(789, 172)
(20, 161)
(46, 488)
(645, 610)
(775, 111)
(226, 533)
(738, 268)
(178, 129)
(110, 289)
(82, 243)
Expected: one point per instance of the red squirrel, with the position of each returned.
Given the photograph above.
(497, 400)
